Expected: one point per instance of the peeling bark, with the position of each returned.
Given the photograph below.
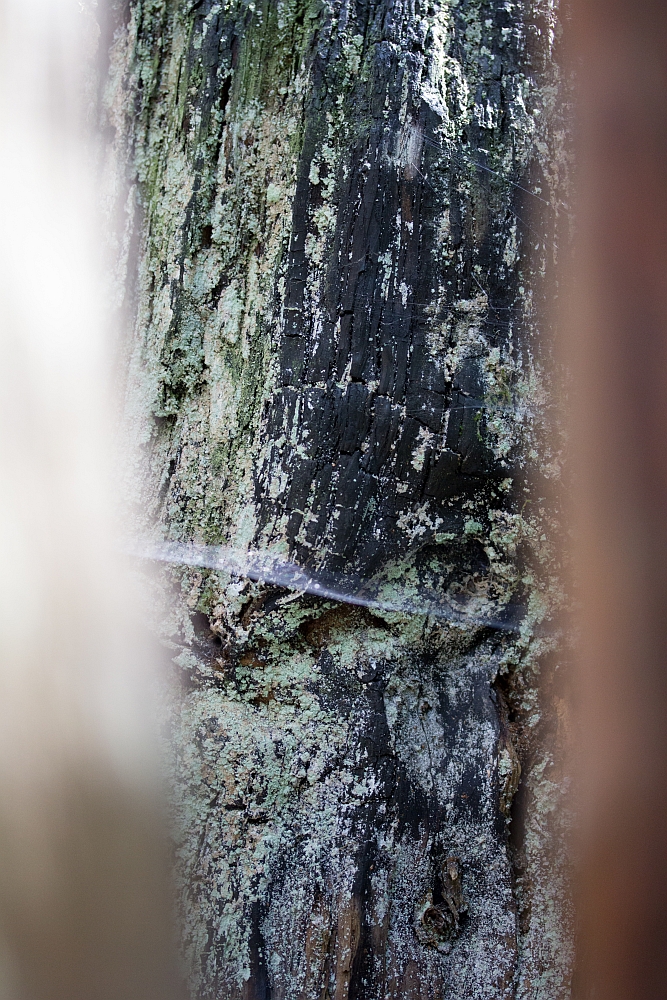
(333, 224)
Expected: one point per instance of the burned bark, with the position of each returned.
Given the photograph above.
(342, 213)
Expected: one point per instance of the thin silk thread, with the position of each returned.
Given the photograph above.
(346, 589)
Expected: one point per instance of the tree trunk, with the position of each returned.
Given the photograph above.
(334, 219)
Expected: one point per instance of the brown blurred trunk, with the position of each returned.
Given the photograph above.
(619, 355)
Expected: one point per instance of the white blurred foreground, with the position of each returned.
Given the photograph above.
(83, 901)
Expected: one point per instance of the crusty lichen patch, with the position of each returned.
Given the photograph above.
(325, 740)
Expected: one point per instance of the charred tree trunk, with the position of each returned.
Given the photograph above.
(333, 222)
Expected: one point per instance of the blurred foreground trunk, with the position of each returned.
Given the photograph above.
(618, 353)
(334, 222)
(84, 902)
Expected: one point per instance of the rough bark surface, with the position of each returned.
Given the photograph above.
(327, 217)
